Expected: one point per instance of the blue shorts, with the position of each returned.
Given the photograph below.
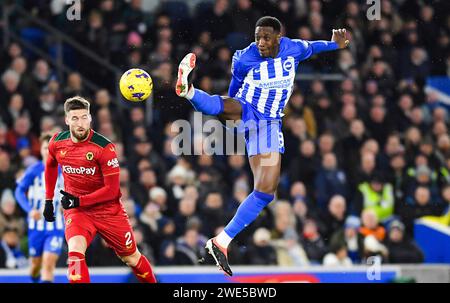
(262, 135)
(45, 241)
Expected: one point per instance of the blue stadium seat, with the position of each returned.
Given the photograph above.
(34, 36)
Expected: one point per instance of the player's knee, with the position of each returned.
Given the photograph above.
(35, 267)
(77, 244)
(48, 267)
(132, 260)
(266, 187)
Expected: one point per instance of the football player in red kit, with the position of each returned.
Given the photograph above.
(91, 199)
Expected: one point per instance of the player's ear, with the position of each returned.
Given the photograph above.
(90, 118)
(66, 119)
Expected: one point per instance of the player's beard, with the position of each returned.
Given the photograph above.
(80, 135)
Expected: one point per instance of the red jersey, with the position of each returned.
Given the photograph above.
(90, 170)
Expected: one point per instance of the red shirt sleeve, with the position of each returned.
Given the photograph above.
(110, 169)
(51, 170)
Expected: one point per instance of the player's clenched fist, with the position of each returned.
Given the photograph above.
(49, 211)
(69, 201)
(340, 37)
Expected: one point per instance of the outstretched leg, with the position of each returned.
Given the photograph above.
(224, 107)
(266, 171)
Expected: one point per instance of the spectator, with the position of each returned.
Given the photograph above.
(9, 85)
(422, 176)
(244, 18)
(371, 236)
(74, 86)
(398, 179)
(149, 224)
(337, 257)
(14, 110)
(378, 124)
(329, 181)
(178, 178)
(313, 243)
(159, 196)
(41, 74)
(260, 251)
(217, 20)
(240, 192)
(147, 180)
(11, 257)
(305, 166)
(377, 195)
(186, 210)
(402, 250)
(190, 247)
(422, 206)
(9, 213)
(367, 166)
(297, 107)
(351, 145)
(21, 131)
(212, 214)
(6, 172)
(348, 236)
(334, 218)
(285, 238)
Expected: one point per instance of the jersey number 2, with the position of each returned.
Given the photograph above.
(128, 237)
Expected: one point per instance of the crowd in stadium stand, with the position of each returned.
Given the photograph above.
(365, 155)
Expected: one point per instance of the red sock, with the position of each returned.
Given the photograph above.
(143, 271)
(78, 271)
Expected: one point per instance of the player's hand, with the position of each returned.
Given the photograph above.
(69, 201)
(49, 211)
(35, 214)
(340, 37)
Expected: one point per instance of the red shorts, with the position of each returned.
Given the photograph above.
(114, 228)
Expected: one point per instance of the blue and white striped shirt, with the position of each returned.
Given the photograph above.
(267, 83)
(30, 194)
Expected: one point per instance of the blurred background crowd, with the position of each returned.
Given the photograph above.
(367, 152)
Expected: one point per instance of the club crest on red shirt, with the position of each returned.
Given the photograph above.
(89, 156)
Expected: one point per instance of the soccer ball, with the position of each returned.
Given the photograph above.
(136, 85)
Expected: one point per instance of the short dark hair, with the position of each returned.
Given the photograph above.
(269, 21)
(76, 102)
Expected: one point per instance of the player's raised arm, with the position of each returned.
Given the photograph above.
(340, 37)
(308, 48)
(109, 165)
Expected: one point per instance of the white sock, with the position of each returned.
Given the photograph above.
(191, 92)
(223, 239)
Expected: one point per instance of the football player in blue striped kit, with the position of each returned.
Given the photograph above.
(45, 239)
(262, 81)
